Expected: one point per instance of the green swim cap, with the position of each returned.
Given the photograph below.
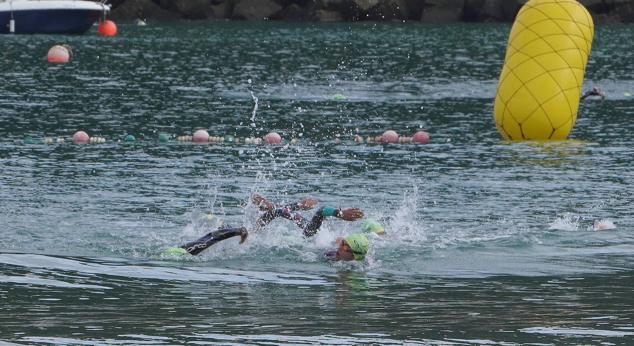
(372, 226)
(359, 244)
(338, 97)
(175, 251)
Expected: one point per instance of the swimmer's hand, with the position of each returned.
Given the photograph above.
(262, 203)
(307, 203)
(243, 235)
(350, 214)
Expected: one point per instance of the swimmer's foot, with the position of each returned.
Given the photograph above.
(243, 234)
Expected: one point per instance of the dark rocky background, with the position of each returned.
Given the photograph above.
(429, 11)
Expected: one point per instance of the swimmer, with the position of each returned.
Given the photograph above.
(351, 248)
(594, 92)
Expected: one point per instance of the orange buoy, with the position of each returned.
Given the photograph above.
(58, 54)
(107, 28)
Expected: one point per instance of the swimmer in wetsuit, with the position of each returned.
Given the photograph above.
(595, 91)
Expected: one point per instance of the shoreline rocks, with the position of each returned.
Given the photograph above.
(426, 11)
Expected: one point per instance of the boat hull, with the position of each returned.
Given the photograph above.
(50, 17)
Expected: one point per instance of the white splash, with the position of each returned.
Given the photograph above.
(255, 108)
(567, 222)
(602, 225)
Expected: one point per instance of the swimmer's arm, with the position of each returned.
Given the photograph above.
(349, 214)
(226, 233)
(214, 237)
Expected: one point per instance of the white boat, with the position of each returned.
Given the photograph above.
(49, 16)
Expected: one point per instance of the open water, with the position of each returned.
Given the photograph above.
(488, 242)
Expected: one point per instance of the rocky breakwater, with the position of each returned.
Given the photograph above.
(429, 11)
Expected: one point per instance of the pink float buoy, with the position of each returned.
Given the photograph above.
(421, 137)
(58, 54)
(200, 136)
(389, 136)
(272, 138)
(81, 137)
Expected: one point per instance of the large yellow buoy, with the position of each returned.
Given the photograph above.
(540, 84)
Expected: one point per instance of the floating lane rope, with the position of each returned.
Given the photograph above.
(540, 84)
(203, 137)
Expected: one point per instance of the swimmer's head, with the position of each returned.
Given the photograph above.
(351, 248)
(372, 226)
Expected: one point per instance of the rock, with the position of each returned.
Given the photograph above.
(492, 10)
(365, 5)
(293, 13)
(327, 16)
(390, 10)
(624, 11)
(221, 10)
(134, 9)
(433, 11)
(194, 9)
(610, 11)
(442, 11)
(415, 8)
(255, 9)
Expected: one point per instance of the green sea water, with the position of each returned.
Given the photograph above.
(488, 242)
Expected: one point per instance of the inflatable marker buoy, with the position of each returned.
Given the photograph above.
(272, 138)
(421, 137)
(163, 137)
(81, 137)
(389, 136)
(59, 54)
(200, 136)
(540, 84)
(107, 28)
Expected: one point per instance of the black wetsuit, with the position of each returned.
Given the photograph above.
(209, 239)
(310, 227)
(594, 92)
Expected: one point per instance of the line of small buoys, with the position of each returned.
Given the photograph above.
(202, 136)
(229, 139)
(390, 137)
